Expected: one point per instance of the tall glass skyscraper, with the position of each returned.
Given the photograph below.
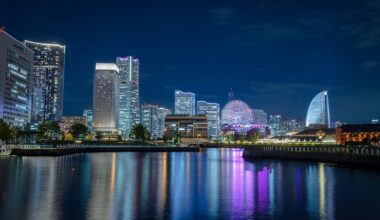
(129, 97)
(212, 111)
(16, 66)
(161, 115)
(149, 118)
(184, 103)
(106, 97)
(48, 80)
(87, 113)
(318, 113)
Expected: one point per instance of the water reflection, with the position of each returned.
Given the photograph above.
(211, 184)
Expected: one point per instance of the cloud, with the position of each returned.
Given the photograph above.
(370, 64)
(269, 88)
(222, 15)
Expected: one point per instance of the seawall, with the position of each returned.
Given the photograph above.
(358, 156)
(88, 149)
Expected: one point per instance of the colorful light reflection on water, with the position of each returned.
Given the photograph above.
(213, 184)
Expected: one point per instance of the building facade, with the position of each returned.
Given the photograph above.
(87, 113)
(129, 97)
(184, 103)
(362, 134)
(318, 113)
(48, 80)
(212, 111)
(106, 97)
(276, 125)
(16, 66)
(68, 121)
(149, 118)
(185, 126)
(161, 115)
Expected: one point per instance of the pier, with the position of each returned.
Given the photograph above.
(75, 149)
(358, 156)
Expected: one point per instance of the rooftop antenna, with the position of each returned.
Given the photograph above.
(231, 95)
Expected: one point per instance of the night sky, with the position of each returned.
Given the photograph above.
(276, 55)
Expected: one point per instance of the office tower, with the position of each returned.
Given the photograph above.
(161, 115)
(318, 113)
(184, 103)
(106, 97)
(275, 125)
(87, 112)
(16, 66)
(259, 117)
(129, 98)
(48, 80)
(212, 111)
(149, 118)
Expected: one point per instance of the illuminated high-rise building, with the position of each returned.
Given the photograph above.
(275, 125)
(161, 115)
(48, 80)
(149, 118)
(318, 113)
(184, 103)
(129, 97)
(87, 113)
(16, 66)
(106, 97)
(212, 111)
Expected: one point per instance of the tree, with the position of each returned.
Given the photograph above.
(6, 132)
(78, 131)
(139, 133)
(98, 136)
(69, 137)
(253, 135)
(49, 130)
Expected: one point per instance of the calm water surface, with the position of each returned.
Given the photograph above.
(212, 184)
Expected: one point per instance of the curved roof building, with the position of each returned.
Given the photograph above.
(236, 112)
(318, 114)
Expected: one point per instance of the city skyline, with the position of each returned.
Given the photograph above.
(278, 62)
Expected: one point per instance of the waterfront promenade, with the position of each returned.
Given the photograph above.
(358, 156)
(74, 149)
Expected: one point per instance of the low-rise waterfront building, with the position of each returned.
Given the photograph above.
(186, 126)
(68, 121)
(363, 134)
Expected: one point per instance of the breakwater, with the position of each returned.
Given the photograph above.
(60, 151)
(358, 156)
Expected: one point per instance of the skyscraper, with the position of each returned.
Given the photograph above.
(212, 111)
(149, 118)
(16, 66)
(106, 97)
(87, 112)
(184, 103)
(129, 98)
(275, 125)
(318, 113)
(161, 114)
(259, 117)
(48, 80)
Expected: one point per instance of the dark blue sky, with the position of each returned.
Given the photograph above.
(276, 55)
